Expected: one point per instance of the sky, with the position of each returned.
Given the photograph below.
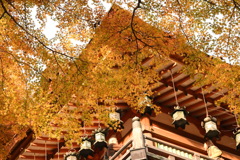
(51, 29)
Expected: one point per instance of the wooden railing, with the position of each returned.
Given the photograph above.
(122, 150)
(161, 149)
(175, 151)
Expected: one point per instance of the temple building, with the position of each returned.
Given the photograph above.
(182, 131)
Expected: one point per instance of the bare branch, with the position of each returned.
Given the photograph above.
(210, 2)
(2, 15)
(57, 62)
(10, 3)
(3, 77)
(131, 24)
(33, 36)
(236, 4)
(180, 22)
(24, 63)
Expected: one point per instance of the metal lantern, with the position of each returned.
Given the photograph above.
(100, 141)
(214, 152)
(71, 155)
(210, 125)
(114, 116)
(116, 123)
(86, 149)
(146, 103)
(237, 137)
(179, 117)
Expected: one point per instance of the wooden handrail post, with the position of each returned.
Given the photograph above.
(139, 150)
(138, 139)
(146, 127)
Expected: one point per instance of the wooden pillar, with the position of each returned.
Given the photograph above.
(138, 140)
(146, 127)
(139, 151)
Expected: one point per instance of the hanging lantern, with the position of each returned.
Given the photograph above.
(210, 125)
(100, 141)
(237, 137)
(146, 103)
(71, 155)
(179, 117)
(86, 149)
(115, 123)
(212, 150)
(114, 116)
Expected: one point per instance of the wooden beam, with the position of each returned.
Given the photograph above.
(189, 86)
(158, 89)
(181, 81)
(214, 113)
(171, 100)
(186, 142)
(185, 102)
(38, 151)
(202, 111)
(228, 122)
(164, 70)
(225, 116)
(50, 139)
(34, 157)
(54, 151)
(21, 146)
(169, 79)
(177, 58)
(43, 145)
(163, 95)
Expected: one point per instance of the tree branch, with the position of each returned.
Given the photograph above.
(33, 36)
(24, 63)
(180, 22)
(3, 77)
(2, 15)
(210, 2)
(131, 24)
(57, 62)
(236, 4)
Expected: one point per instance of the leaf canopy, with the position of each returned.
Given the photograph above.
(40, 76)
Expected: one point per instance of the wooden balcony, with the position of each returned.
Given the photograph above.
(160, 150)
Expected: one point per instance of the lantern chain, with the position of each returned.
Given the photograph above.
(175, 94)
(99, 126)
(84, 129)
(204, 100)
(45, 151)
(58, 150)
(236, 117)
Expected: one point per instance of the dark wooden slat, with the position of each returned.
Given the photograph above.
(158, 89)
(163, 95)
(171, 100)
(56, 150)
(185, 102)
(23, 144)
(181, 81)
(230, 121)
